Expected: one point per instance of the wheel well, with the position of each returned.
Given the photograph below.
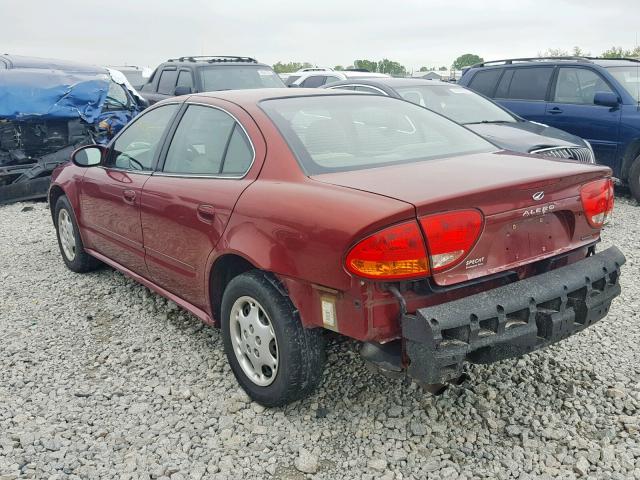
(633, 151)
(225, 269)
(54, 194)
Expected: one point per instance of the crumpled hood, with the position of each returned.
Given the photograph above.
(524, 136)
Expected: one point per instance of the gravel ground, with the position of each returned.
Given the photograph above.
(100, 378)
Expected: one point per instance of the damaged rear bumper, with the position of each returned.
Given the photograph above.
(512, 320)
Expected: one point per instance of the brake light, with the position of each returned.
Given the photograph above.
(450, 236)
(394, 253)
(597, 201)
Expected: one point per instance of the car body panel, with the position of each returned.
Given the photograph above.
(300, 228)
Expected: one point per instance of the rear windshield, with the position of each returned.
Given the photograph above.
(236, 77)
(333, 133)
(456, 103)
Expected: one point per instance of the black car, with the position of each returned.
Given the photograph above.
(195, 74)
(478, 113)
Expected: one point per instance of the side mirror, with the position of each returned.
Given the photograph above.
(182, 90)
(88, 156)
(606, 99)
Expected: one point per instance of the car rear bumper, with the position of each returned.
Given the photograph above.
(512, 320)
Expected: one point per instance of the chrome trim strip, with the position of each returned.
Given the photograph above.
(337, 87)
(137, 172)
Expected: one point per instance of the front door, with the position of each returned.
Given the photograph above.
(110, 194)
(187, 203)
(572, 109)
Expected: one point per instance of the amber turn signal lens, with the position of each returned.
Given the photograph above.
(394, 253)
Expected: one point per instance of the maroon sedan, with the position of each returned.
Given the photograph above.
(276, 214)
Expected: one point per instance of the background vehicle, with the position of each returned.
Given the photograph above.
(193, 74)
(227, 204)
(594, 98)
(314, 79)
(50, 107)
(479, 114)
(135, 75)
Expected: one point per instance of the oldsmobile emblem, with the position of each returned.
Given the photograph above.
(538, 196)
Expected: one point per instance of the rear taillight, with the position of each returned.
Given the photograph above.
(450, 236)
(597, 201)
(394, 253)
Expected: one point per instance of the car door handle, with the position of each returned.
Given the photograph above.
(206, 213)
(129, 196)
(555, 110)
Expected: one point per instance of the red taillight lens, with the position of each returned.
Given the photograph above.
(597, 201)
(394, 253)
(450, 236)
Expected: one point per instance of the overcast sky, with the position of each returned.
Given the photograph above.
(327, 32)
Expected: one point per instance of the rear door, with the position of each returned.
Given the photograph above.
(572, 109)
(524, 90)
(215, 153)
(163, 87)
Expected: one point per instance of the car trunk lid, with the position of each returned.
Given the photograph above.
(531, 206)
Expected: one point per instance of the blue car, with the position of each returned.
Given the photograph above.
(593, 98)
(48, 108)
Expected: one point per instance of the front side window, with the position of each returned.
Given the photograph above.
(208, 141)
(578, 85)
(117, 98)
(530, 83)
(185, 79)
(629, 77)
(136, 147)
(332, 133)
(237, 77)
(167, 82)
(457, 103)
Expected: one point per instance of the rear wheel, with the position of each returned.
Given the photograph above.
(274, 358)
(634, 179)
(69, 241)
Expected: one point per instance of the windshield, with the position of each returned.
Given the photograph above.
(456, 103)
(333, 133)
(236, 77)
(629, 78)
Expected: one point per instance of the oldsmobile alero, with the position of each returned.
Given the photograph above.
(276, 214)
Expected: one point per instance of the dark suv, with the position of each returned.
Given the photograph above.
(594, 98)
(195, 74)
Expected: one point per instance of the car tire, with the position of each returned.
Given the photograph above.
(634, 179)
(274, 358)
(71, 247)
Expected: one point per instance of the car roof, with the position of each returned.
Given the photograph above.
(582, 61)
(392, 82)
(257, 95)
(206, 60)
(20, 61)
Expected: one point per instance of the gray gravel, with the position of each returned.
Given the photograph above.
(100, 378)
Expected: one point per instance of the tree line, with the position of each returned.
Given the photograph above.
(392, 67)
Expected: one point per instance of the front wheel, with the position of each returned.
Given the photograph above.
(69, 240)
(634, 179)
(274, 358)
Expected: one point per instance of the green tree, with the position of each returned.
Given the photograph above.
(338, 68)
(424, 69)
(617, 52)
(443, 69)
(466, 60)
(366, 64)
(290, 67)
(390, 67)
(554, 52)
(578, 52)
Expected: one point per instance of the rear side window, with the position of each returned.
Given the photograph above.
(208, 141)
(505, 83)
(167, 82)
(314, 81)
(529, 83)
(485, 81)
